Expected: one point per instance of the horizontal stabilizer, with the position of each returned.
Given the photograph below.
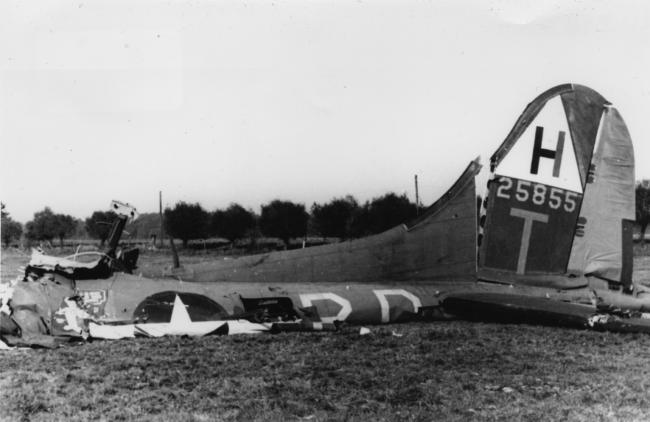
(521, 309)
(516, 309)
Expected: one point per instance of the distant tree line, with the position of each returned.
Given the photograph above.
(342, 218)
(47, 226)
(44, 227)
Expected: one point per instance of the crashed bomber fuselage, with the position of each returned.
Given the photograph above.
(563, 177)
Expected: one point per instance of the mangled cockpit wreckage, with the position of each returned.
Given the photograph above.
(552, 245)
(50, 302)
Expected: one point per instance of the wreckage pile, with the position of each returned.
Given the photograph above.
(551, 244)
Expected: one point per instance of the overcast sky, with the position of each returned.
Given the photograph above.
(247, 101)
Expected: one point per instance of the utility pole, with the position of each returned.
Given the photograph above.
(417, 197)
(162, 232)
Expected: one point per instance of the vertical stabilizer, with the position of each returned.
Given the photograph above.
(568, 160)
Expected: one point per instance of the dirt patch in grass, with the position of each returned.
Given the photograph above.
(443, 371)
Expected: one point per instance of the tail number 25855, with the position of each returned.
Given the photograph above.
(538, 194)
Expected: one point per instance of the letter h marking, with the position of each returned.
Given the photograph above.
(538, 152)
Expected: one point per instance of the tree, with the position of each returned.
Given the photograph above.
(334, 219)
(360, 223)
(642, 192)
(232, 223)
(65, 226)
(389, 211)
(98, 225)
(42, 227)
(10, 229)
(46, 226)
(186, 221)
(284, 219)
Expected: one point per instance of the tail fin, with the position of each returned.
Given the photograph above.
(562, 185)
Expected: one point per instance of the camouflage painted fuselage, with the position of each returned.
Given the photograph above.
(555, 226)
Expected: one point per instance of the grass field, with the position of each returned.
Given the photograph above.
(444, 371)
(435, 371)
